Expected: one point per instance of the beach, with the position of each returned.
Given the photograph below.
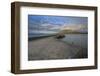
(52, 48)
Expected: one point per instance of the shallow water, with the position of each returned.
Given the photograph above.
(77, 39)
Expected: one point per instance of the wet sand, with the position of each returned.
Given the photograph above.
(52, 48)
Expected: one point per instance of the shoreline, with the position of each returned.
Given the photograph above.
(52, 48)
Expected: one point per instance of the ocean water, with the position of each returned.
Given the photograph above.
(32, 34)
(36, 35)
(80, 40)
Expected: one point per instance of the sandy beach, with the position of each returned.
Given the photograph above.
(52, 48)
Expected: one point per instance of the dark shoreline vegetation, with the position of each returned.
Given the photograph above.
(40, 37)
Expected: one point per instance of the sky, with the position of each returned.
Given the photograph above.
(45, 22)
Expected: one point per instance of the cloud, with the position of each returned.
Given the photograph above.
(73, 27)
